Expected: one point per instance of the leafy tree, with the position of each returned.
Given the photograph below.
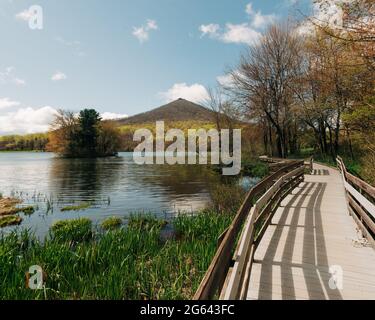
(109, 139)
(87, 134)
(83, 136)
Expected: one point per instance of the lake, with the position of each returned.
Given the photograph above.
(115, 186)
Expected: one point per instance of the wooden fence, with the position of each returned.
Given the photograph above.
(361, 202)
(277, 163)
(231, 265)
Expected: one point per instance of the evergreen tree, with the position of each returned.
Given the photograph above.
(88, 132)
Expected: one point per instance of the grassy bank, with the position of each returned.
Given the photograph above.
(133, 262)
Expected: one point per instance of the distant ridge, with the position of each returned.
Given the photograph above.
(179, 110)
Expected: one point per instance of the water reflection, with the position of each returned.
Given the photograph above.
(248, 182)
(130, 186)
(116, 186)
(83, 179)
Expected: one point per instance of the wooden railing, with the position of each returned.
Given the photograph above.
(277, 163)
(361, 202)
(238, 243)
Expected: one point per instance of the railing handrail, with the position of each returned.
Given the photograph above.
(274, 161)
(216, 274)
(260, 214)
(361, 201)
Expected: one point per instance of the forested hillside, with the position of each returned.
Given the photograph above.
(30, 142)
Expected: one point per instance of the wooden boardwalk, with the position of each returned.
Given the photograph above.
(311, 232)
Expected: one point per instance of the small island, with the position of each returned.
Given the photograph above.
(83, 136)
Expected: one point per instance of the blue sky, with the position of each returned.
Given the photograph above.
(119, 56)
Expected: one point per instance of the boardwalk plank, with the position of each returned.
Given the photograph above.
(310, 232)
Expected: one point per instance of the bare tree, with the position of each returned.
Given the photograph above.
(225, 110)
(215, 104)
(264, 80)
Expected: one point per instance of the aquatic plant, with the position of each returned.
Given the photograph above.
(72, 230)
(79, 207)
(12, 220)
(145, 222)
(111, 223)
(8, 206)
(28, 210)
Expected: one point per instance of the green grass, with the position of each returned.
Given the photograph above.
(79, 207)
(111, 223)
(126, 263)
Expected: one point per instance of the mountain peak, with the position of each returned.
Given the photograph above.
(178, 110)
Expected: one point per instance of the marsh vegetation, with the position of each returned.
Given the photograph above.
(81, 261)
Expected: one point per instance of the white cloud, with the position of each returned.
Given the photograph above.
(233, 33)
(152, 25)
(247, 32)
(225, 80)
(8, 76)
(25, 15)
(58, 76)
(328, 14)
(7, 103)
(142, 33)
(27, 120)
(209, 29)
(261, 21)
(249, 9)
(240, 33)
(257, 19)
(195, 93)
(113, 116)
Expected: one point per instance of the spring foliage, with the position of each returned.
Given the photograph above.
(85, 136)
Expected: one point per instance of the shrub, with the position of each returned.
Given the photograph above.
(227, 197)
(257, 169)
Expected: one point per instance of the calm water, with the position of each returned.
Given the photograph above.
(116, 187)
